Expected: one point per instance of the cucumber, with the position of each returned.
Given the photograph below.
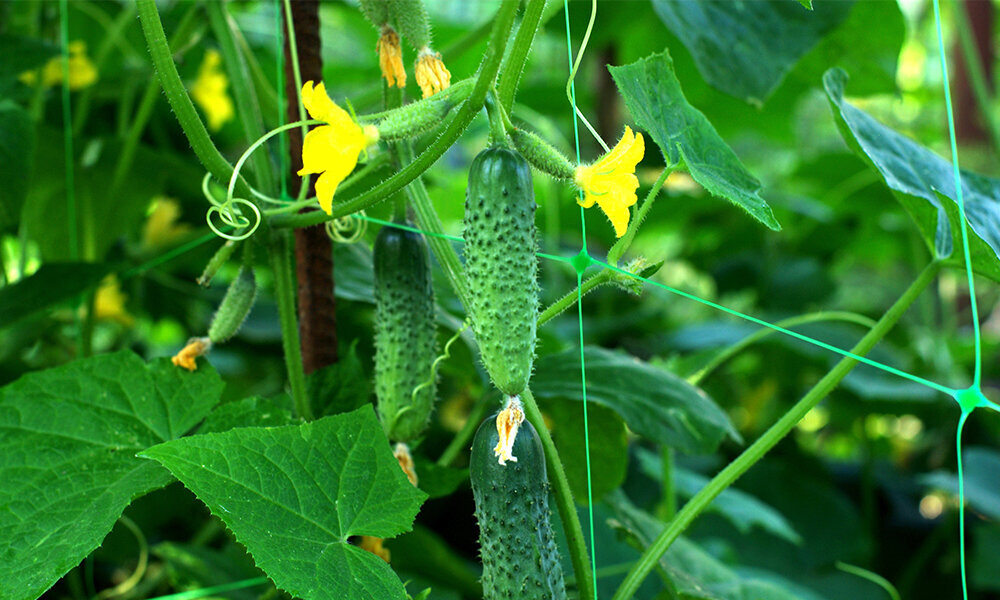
(518, 548)
(405, 333)
(235, 306)
(501, 266)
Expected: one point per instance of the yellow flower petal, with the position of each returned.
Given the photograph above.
(186, 357)
(81, 72)
(209, 91)
(508, 422)
(611, 182)
(374, 545)
(390, 57)
(322, 108)
(109, 303)
(432, 76)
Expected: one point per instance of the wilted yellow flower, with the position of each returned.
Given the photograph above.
(432, 75)
(195, 347)
(209, 91)
(374, 545)
(611, 181)
(331, 149)
(82, 71)
(405, 459)
(161, 228)
(508, 421)
(390, 57)
(109, 303)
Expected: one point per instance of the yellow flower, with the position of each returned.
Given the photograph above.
(611, 181)
(82, 71)
(161, 228)
(209, 91)
(432, 75)
(374, 545)
(195, 347)
(390, 57)
(508, 421)
(109, 303)
(331, 149)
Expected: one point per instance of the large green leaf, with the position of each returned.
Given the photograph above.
(68, 439)
(744, 511)
(51, 284)
(654, 96)
(17, 145)
(608, 446)
(655, 403)
(294, 495)
(746, 48)
(924, 184)
(694, 572)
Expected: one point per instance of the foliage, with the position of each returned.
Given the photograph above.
(693, 454)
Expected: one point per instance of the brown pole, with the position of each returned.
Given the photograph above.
(313, 248)
(969, 124)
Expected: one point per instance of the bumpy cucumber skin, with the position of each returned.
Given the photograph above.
(518, 548)
(235, 306)
(500, 262)
(405, 333)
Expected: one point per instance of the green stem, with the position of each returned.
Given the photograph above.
(514, 65)
(241, 85)
(700, 501)
(668, 505)
(564, 499)
(498, 132)
(622, 245)
(178, 98)
(556, 308)
(429, 221)
(977, 75)
(456, 126)
(284, 291)
(760, 334)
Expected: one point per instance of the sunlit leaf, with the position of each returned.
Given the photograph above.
(294, 495)
(685, 137)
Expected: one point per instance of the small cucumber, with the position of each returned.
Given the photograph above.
(235, 306)
(500, 263)
(518, 548)
(405, 333)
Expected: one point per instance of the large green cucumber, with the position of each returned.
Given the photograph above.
(500, 263)
(518, 548)
(405, 333)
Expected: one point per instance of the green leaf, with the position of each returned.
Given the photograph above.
(294, 495)
(655, 404)
(248, 412)
(654, 96)
(340, 387)
(694, 572)
(17, 146)
(745, 49)
(807, 3)
(744, 511)
(608, 446)
(51, 284)
(437, 481)
(923, 182)
(68, 439)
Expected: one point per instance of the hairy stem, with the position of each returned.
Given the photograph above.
(622, 245)
(179, 100)
(567, 301)
(514, 65)
(284, 291)
(700, 501)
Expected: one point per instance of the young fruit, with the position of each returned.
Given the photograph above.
(518, 548)
(235, 306)
(405, 333)
(501, 265)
